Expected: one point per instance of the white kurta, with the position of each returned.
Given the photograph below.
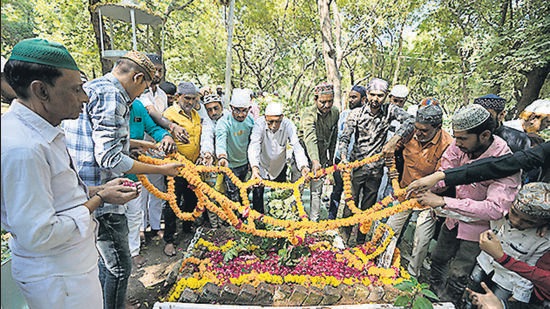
(42, 206)
(267, 150)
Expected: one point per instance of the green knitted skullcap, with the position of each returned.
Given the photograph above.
(44, 52)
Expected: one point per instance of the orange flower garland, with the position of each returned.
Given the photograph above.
(293, 230)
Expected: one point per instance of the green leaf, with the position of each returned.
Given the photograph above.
(405, 286)
(402, 300)
(430, 294)
(422, 303)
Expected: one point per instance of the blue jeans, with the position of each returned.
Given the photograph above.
(115, 263)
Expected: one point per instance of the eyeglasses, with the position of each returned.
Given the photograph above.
(236, 110)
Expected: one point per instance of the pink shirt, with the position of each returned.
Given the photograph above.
(486, 200)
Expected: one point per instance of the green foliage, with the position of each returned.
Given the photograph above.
(292, 255)
(451, 50)
(417, 295)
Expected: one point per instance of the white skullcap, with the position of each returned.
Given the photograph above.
(241, 98)
(400, 91)
(539, 107)
(274, 109)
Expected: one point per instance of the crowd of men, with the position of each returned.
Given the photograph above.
(67, 143)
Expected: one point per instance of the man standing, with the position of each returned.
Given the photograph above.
(232, 140)
(398, 96)
(370, 125)
(475, 204)
(99, 143)
(214, 108)
(320, 127)
(421, 155)
(356, 98)
(267, 150)
(187, 117)
(516, 139)
(45, 205)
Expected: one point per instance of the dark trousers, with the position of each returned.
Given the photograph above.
(364, 184)
(258, 192)
(336, 195)
(115, 263)
(449, 276)
(189, 202)
(233, 193)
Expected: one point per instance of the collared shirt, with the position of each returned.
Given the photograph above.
(208, 126)
(320, 133)
(486, 200)
(99, 140)
(371, 131)
(421, 160)
(523, 245)
(193, 126)
(142, 124)
(42, 200)
(232, 139)
(267, 150)
(158, 99)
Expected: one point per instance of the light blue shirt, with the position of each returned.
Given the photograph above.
(232, 139)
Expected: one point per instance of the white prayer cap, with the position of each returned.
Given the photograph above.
(241, 98)
(539, 107)
(274, 109)
(400, 91)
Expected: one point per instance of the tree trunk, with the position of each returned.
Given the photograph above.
(106, 65)
(531, 91)
(329, 51)
(399, 51)
(229, 49)
(337, 81)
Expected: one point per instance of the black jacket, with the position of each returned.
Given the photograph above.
(499, 167)
(516, 139)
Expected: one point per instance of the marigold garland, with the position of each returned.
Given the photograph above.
(293, 230)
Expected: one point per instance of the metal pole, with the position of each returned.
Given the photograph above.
(101, 32)
(133, 18)
(229, 49)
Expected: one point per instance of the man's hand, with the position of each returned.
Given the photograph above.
(170, 169)
(139, 147)
(305, 171)
(315, 167)
(167, 144)
(223, 162)
(485, 301)
(490, 243)
(207, 159)
(389, 149)
(180, 134)
(120, 190)
(424, 183)
(428, 198)
(256, 173)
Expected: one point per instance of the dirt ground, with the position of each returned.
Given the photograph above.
(147, 284)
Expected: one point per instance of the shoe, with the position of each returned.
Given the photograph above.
(169, 250)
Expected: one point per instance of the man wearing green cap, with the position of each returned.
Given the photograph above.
(45, 206)
(99, 143)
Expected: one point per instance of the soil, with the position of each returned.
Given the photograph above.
(147, 284)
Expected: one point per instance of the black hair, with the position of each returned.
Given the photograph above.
(20, 75)
(126, 66)
(168, 87)
(488, 124)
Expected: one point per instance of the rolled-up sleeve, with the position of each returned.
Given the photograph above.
(110, 132)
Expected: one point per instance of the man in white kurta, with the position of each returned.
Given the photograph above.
(45, 205)
(267, 150)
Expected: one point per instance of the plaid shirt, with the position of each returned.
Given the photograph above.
(370, 132)
(98, 140)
